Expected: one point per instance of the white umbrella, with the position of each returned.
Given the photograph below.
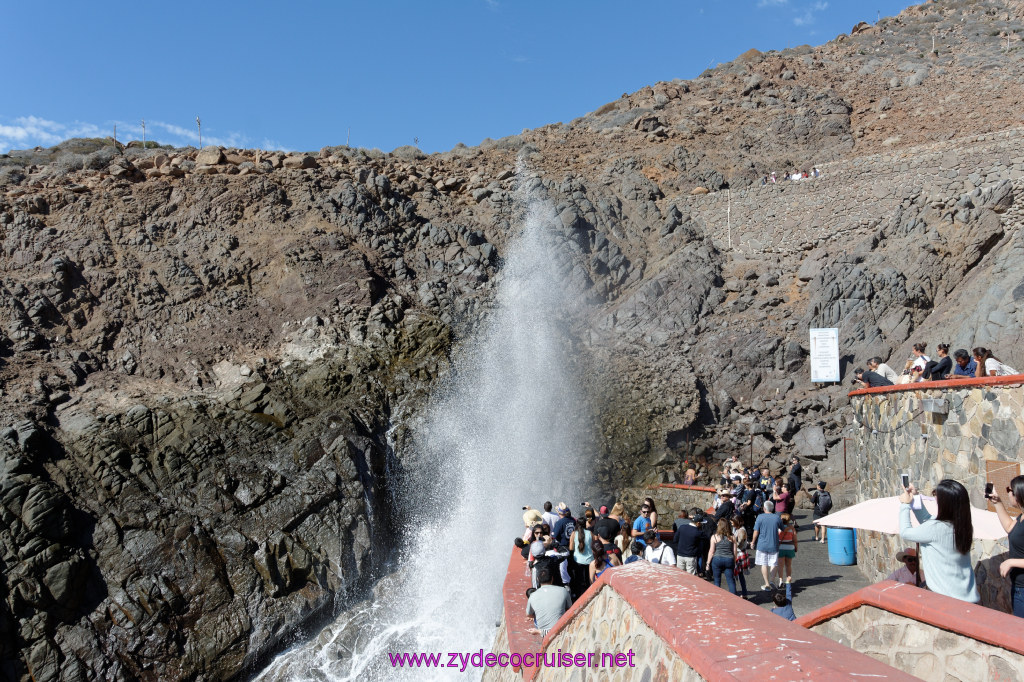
(882, 514)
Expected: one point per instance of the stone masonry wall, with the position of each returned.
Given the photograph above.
(984, 423)
(850, 196)
(608, 625)
(924, 651)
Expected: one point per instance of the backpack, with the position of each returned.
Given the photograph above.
(824, 502)
(552, 564)
(759, 502)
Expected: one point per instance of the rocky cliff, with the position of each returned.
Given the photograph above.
(209, 355)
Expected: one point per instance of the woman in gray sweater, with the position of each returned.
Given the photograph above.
(945, 540)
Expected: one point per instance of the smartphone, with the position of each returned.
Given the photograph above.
(525, 508)
(905, 480)
(988, 490)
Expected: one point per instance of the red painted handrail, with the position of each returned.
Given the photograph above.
(969, 620)
(979, 382)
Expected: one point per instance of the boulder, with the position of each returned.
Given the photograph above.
(209, 156)
(810, 442)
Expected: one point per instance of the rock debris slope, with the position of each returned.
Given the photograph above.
(209, 358)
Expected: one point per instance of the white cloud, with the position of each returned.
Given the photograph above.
(26, 132)
(772, 3)
(807, 17)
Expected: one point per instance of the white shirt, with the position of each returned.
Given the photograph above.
(904, 575)
(662, 555)
(563, 566)
(888, 372)
(550, 518)
(1000, 369)
(922, 361)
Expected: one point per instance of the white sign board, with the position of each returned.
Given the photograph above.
(825, 355)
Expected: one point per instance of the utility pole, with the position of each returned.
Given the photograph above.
(199, 125)
(115, 134)
(348, 136)
(143, 133)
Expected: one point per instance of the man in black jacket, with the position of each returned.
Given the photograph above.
(688, 542)
(871, 379)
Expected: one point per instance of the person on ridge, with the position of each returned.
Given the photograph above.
(989, 365)
(876, 365)
(870, 379)
(966, 367)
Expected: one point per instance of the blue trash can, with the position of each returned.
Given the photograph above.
(842, 546)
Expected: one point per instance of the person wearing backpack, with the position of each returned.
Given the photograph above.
(751, 506)
(822, 500)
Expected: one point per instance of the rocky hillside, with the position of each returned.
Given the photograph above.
(209, 356)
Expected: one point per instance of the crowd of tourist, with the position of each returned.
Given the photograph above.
(751, 513)
(566, 554)
(980, 362)
(792, 176)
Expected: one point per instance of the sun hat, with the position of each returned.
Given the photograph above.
(908, 552)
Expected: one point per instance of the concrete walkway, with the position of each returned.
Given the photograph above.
(818, 582)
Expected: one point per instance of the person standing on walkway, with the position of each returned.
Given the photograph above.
(822, 501)
(1013, 567)
(766, 542)
(658, 552)
(945, 540)
(722, 555)
(642, 524)
(739, 536)
(787, 549)
(581, 544)
(687, 540)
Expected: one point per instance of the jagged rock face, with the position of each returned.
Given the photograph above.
(203, 350)
(178, 543)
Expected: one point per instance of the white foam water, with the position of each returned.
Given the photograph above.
(506, 429)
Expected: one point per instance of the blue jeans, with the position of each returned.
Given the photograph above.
(720, 565)
(743, 583)
(1018, 602)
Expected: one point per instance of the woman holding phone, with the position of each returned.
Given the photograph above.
(1013, 568)
(945, 540)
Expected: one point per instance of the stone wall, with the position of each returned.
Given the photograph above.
(670, 498)
(610, 624)
(925, 634)
(985, 422)
(923, 650)
(658, 616)
(853, 195)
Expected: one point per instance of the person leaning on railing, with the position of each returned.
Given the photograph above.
(1013, 567)
(966, 367)
(989, 365)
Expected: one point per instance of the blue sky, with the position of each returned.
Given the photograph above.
(301, 74)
